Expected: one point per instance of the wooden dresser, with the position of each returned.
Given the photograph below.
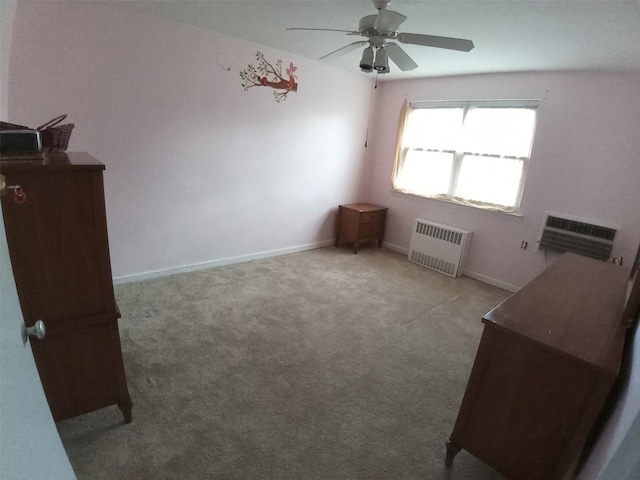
(57, 237)
(361, 222)
(547, 360)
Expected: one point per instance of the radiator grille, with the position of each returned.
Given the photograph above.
(433, 263)
(438, 232)
(439, 247)
(562, 234)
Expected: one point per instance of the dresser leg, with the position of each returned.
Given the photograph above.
(452, 451)
(125, 408)
(355, 248)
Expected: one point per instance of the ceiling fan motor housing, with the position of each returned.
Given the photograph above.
(365, 27)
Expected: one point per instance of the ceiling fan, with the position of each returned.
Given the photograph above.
(379, 30)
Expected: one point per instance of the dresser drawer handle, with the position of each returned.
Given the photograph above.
(38, 330)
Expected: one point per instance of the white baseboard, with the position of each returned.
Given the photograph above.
(396, 248)
(491, 281)
(137, 277)
(466, 273)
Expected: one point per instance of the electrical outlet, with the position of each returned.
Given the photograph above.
(524, 245)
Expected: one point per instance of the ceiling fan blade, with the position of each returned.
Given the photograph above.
(400, 57)
(351, 32)
(388, 21)
(345, 49)
(434, 41)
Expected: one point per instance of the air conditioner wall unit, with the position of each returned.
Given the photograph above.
(562, 233)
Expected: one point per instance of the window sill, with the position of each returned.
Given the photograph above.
(513, 216)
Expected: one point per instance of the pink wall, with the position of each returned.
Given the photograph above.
(585, 162)
(198, 170)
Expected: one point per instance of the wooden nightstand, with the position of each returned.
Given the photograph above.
(360, 222)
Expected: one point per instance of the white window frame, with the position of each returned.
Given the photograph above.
(458, 155)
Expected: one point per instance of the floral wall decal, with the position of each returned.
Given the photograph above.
(266, 75)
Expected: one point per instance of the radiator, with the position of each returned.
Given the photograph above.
(562, 233)
(439, 247)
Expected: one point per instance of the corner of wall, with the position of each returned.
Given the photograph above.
(7, 14)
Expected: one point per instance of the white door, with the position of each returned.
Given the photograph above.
(30, 447)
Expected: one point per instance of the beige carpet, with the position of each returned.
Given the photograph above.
(318, 365)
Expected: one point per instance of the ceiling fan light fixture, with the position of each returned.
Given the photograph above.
(366, 64)
(381, 65)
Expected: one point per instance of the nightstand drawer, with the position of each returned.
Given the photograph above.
(370, 230)
(366, 217)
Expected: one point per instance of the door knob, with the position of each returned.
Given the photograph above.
(38, 330)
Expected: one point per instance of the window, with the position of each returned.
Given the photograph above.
(475, 153)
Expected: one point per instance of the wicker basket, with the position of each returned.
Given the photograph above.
(55, 138)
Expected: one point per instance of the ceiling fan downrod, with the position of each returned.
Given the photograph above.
(380, 4)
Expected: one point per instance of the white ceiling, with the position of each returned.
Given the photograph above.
(509, 35)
